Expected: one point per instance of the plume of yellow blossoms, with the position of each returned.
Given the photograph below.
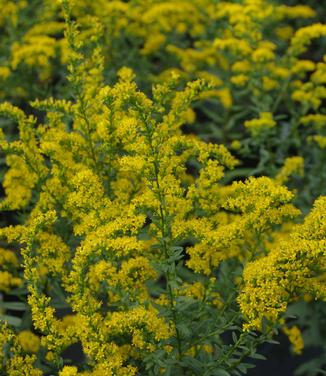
(294, 267)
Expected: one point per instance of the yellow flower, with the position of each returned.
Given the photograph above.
(236, 144)
(153, 43)
(262, 55)
(303, 37)
(292, 165)
(29, 341)
(319, 139)
(8, 281)
(264, 122)
(270, 84)
(68, 371)
(284, 32)
(303, 66)
(239, 80)
(4, 72)
(295, 338)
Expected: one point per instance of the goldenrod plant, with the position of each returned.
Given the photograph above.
(134, 239)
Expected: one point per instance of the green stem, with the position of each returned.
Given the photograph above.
(164, 234)
(166, 253)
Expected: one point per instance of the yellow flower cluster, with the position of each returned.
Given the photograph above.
(263, 123)
(295, 338)
(303, 37)
(29, 341)
(292, 165)
(8, 270)
(292, 268)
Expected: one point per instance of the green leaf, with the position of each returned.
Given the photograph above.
(12, 320)
(272, 341)
(221, 372)
(242, 368)
(14, 306)
(258, 356)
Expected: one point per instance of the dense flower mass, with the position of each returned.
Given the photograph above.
(291, 268)
(163, 184)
